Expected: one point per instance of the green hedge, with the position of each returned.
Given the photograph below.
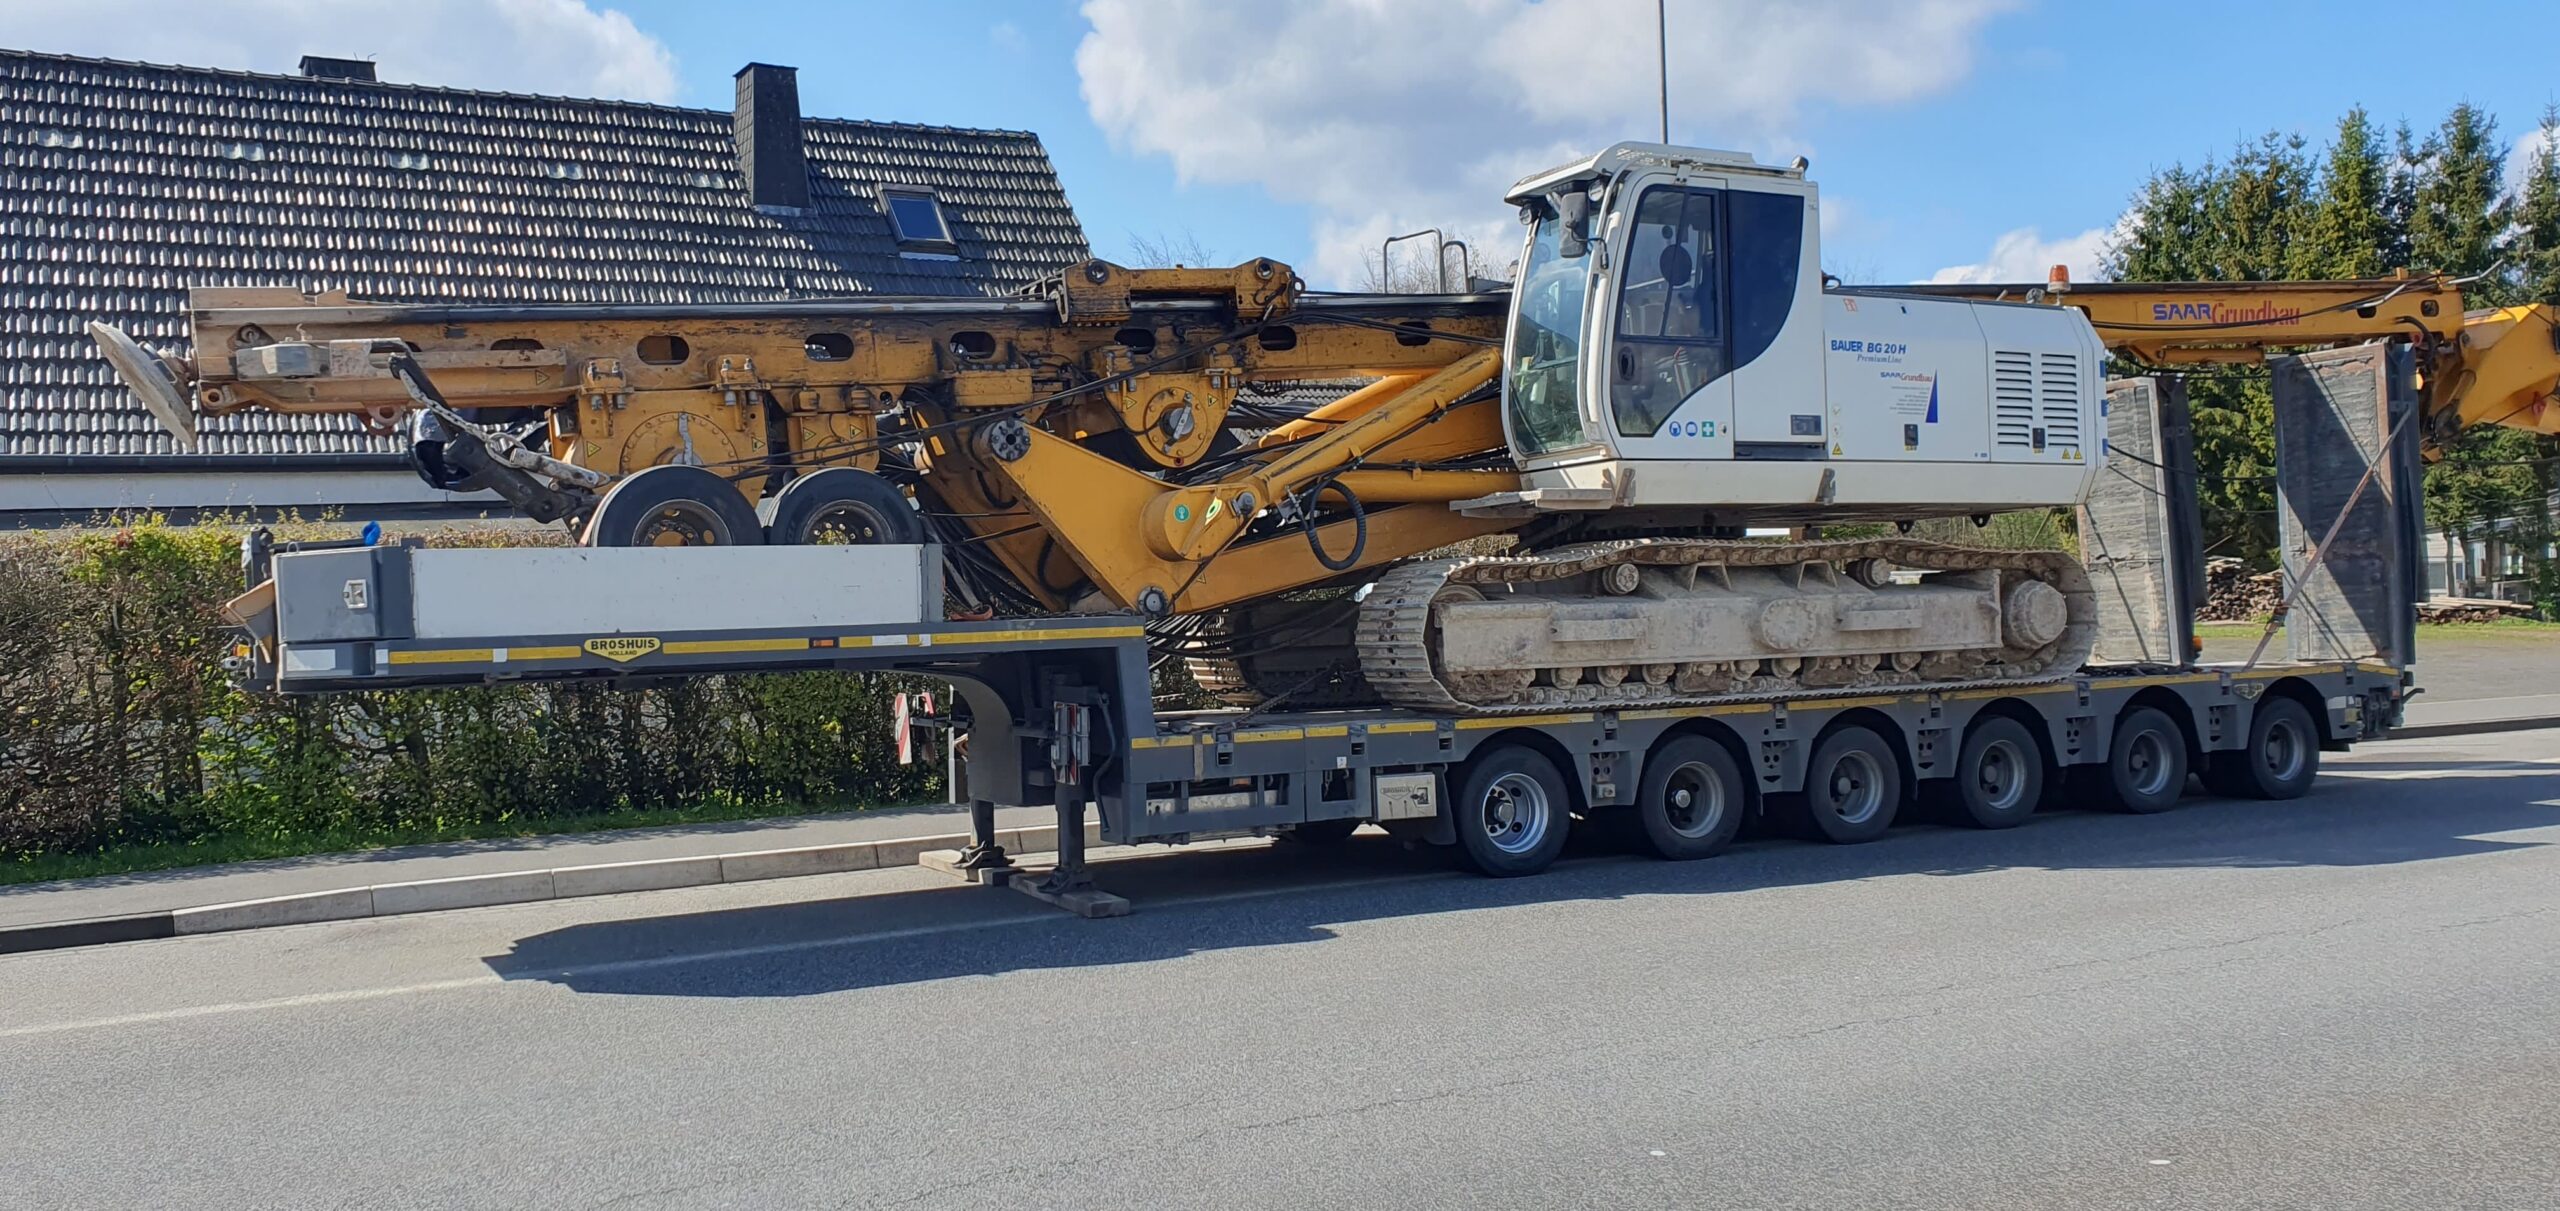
(119, 729)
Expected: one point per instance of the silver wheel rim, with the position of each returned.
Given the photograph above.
(2146, 763)
(681, 523)
(1693, 800)
(1853, 789)
(1514, 813)
(845, 523)
(2282, 754)
(2001, 775)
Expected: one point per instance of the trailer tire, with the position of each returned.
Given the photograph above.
(845, 506)
(1852, 787)
(673, 506)
(1999, 777)
(2281, 759)
(1691, 799)
(2146, 763)
(1511, 811)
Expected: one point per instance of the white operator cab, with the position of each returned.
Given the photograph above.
(1672, 346)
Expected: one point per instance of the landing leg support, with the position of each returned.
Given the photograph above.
(984, 859)
(1070, 884)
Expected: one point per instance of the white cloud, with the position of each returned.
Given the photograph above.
(561, 47)
(2520, 161)
(2024, 255)
(1385, 116)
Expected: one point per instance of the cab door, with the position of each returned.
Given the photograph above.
(1668, 380)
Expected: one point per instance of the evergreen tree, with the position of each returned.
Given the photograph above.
(2168, 233)
(2266, 198)
(2458, 217)
(2489, 479)
(2534, 249)
(2533, 256)
(2348, 232)
(2399, 197)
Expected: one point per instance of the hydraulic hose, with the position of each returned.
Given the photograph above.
(1359, 526)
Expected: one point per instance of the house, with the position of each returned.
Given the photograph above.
(123, 184)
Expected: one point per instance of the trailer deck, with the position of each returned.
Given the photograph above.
(1060, 709)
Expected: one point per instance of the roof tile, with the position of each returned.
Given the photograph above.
(123, 184)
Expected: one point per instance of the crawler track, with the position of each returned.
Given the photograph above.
(1396, 635)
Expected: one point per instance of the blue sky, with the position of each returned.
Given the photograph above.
(2066, 108)
(1941, 130)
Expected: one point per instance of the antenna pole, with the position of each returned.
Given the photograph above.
(1662, 45)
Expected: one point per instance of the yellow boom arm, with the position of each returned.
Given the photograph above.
(2499, 366)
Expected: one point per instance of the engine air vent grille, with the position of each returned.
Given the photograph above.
(2058, 402)
(2013, 398)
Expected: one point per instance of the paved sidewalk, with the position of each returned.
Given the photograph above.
(195, 887)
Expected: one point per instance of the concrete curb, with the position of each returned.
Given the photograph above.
(2430, 731)
(514, 887)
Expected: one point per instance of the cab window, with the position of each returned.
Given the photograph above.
(1671, 321)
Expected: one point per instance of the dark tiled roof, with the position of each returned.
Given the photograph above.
(123, 184)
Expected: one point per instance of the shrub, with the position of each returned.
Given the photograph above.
(118, 726)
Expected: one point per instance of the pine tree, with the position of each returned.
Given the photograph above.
(2348, 232)
(2399, 197)
(2268, 187)
(2488, 478)
(2455, 225)
(2533, 252)
(2534, 247)
(2167, 236)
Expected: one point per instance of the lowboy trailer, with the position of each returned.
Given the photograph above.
(1059, 710)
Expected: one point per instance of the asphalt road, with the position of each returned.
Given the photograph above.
(2348, 1001)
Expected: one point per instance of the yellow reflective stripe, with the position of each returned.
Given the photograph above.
(1388, 729)
(957, 638)
(1274, 733)
(714, 647)
(1842, 704)
(442, 656)
(2012, 692)
(476, 655)
(1330, 730)
(1482, 722)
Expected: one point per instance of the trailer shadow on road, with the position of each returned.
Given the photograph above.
(1190, 902)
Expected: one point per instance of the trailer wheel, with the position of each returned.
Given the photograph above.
(2147, 763)
(1999, 774)
(843, 506)
(1691, 799)
(1853, 787)
(673, 506)
(1511, 811)
(2282, 757)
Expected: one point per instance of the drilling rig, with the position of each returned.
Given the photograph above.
(1540, 496)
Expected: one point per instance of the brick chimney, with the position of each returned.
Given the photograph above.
(768, 130)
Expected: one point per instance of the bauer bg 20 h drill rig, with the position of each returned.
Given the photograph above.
(1668, 369)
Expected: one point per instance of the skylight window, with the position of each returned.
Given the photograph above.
(915, 218)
